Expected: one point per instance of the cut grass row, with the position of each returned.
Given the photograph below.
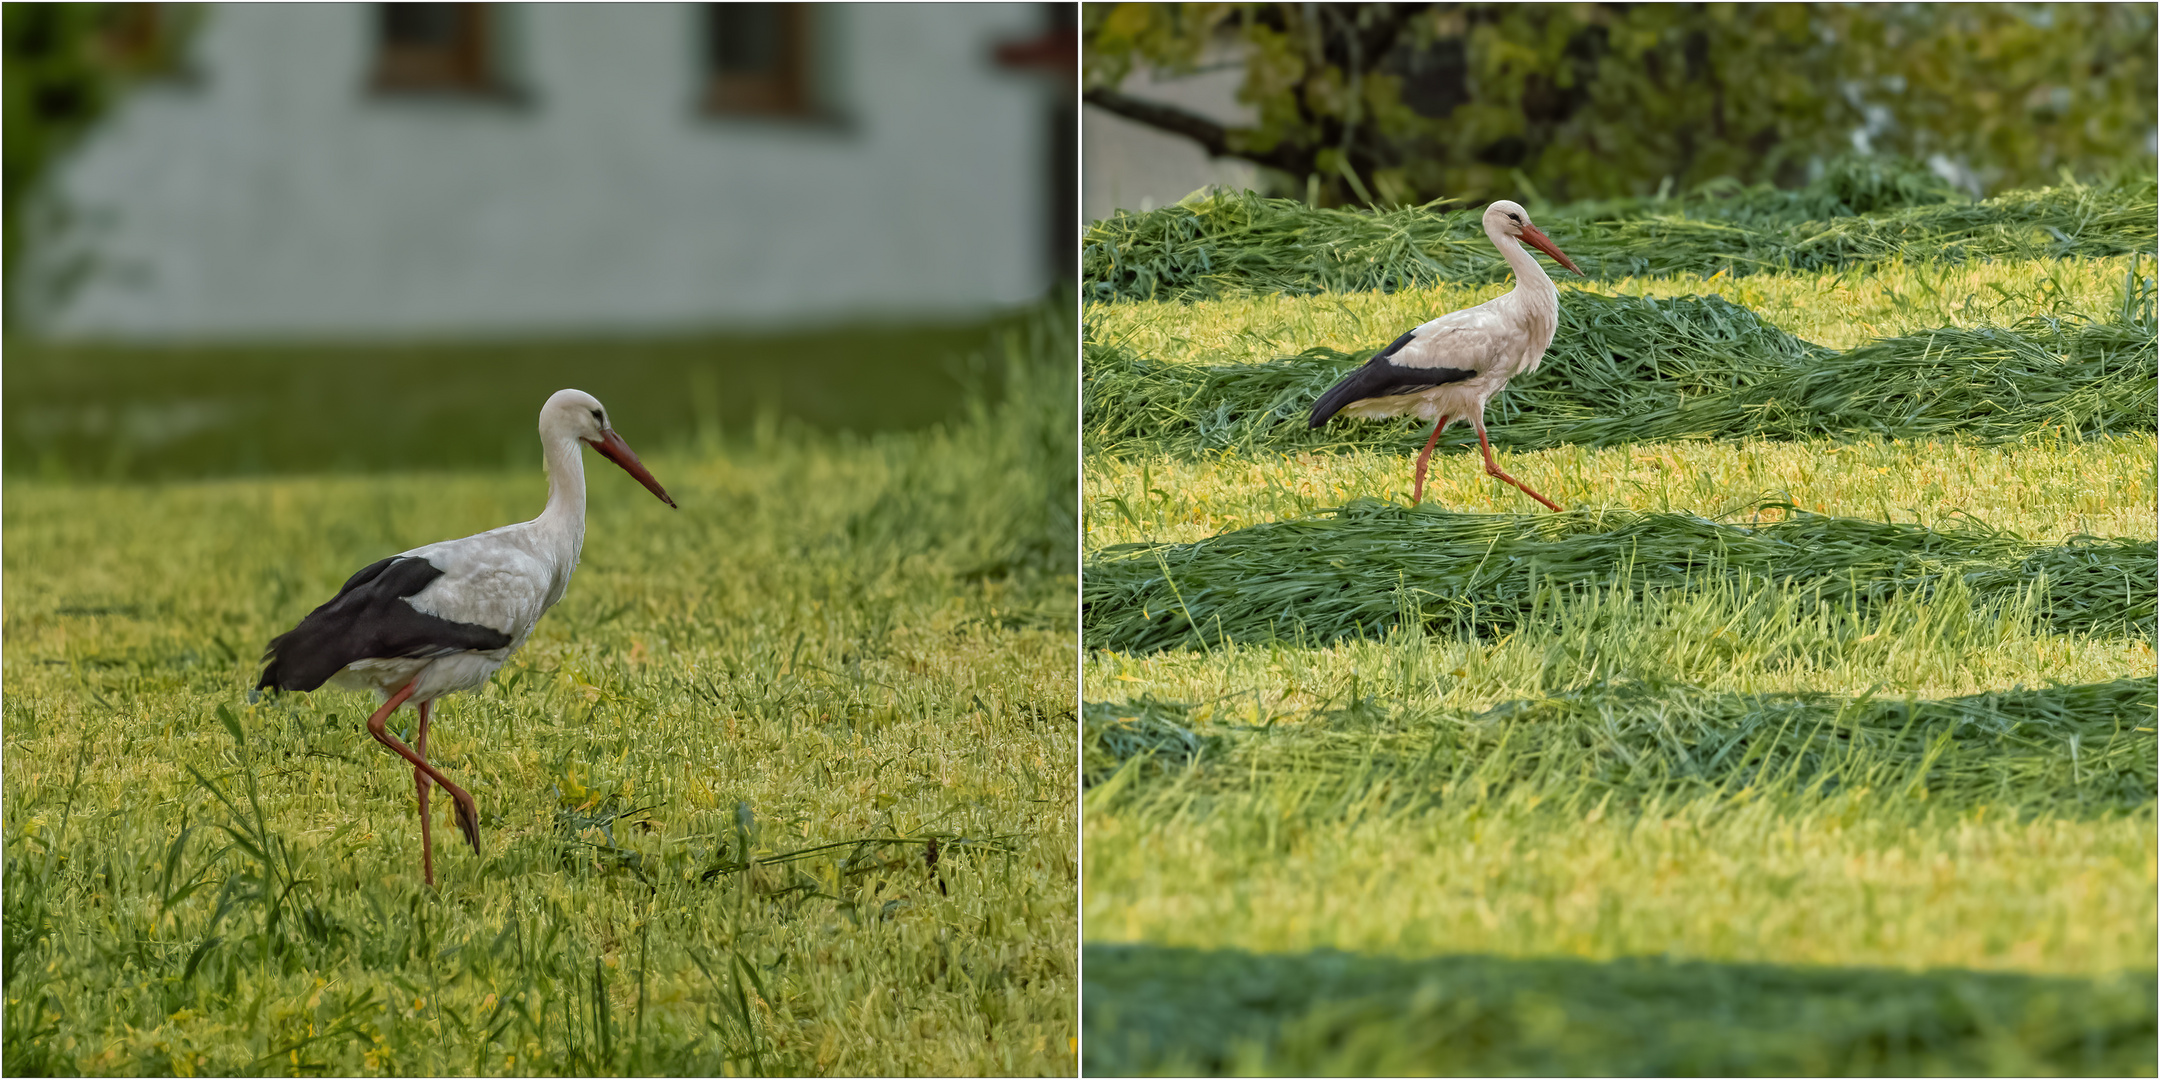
(1231, 243)
(2079, 751)
(1370, 567)
(1639, 369)
(1229, 1012)
(709, 784)
(1721, 640)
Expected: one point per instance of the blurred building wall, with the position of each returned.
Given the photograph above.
(1127, 165)
(271, 191)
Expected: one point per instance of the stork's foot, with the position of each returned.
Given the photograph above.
(468, 818)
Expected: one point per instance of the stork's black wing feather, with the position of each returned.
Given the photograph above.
(370, 619)
(1382, 377)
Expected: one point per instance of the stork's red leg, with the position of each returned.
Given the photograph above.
(1493, 467)
(468, 814)
(1417, 488)
(420, 786)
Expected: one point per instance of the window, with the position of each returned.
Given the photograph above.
(146, 40)
(433, 48)
(136, 35)
(757, 60)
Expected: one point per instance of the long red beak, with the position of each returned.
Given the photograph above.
(1544, 243)
(612, 447)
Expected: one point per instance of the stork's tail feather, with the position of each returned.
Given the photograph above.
(1342, 393)
(278, 670)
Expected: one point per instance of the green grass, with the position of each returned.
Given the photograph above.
(1192, 1011)
(709, 784)
(114, 412)
(1640, 369)
(1370, 567)
(1548, 820)
(2046, 488)
(2073, 750)
(1233, 243)
(1836, 309)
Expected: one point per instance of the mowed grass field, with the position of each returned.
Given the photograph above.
(783, 785)
(1644, 816)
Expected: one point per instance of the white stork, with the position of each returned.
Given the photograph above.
(442, 618)
(1448, 368)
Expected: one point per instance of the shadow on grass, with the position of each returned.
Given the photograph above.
(1156, 1010)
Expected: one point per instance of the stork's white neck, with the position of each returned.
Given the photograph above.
(1530, 275)
(562, 523)
(1534, 295)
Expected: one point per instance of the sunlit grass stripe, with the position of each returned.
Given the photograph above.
(1627, 369)
(1232, 243)
(2067, 749)
(1369, 566)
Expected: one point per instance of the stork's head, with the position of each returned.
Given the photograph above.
(1509, 219)
(579, 415)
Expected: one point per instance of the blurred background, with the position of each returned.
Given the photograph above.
(272, 238)
(1394, 104)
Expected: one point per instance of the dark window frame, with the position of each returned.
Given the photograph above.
(785, 89)
(149, 40)
(463, 66)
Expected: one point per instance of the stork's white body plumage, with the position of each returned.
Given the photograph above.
(1499, 339)
(503, 579)
(1448, 368)
(442, 618)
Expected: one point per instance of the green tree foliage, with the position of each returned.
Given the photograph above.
(1400, 103)
(65, 65)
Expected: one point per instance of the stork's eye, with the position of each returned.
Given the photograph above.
(1516, 218)
(597, 416)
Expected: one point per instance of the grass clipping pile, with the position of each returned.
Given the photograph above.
(1639, 369)
(1627, 744)
(1158, 1011)
(1369, 567)
(1236, 243)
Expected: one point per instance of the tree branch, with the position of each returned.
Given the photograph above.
(1212, 137)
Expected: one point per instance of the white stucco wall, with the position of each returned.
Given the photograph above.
(1130, 166)
(277, 197)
